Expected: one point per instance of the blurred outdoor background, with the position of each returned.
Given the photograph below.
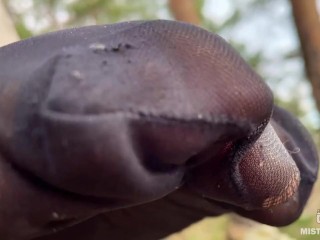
(279, 38)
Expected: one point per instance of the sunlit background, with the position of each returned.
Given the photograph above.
(262, 31)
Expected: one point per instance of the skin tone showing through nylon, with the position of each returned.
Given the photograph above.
(120, 122)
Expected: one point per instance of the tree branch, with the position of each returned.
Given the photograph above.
(185, 10)
(308, 26)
